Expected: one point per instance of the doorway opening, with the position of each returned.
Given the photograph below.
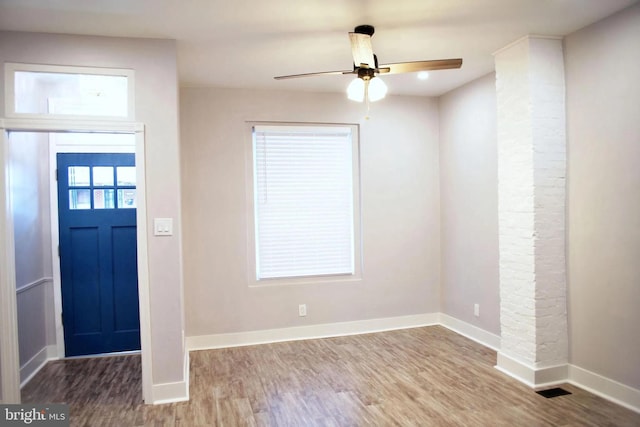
(31, 196)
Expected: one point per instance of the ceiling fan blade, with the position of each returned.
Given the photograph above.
(362, 50)
(410, 67)
(323, 73)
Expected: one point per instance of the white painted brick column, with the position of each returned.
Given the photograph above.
(531, 209)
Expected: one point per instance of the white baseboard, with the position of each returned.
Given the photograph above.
(551, 376)
(539, 378)
(606, 388)
(470, 331)
(515, 369)
(172, 392)
(536, 378)
(205, 342)
(37, 362)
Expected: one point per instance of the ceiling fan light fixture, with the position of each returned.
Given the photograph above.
(377, 89)
(356, 89)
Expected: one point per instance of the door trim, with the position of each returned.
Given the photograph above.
(9, 361)
(9, 357)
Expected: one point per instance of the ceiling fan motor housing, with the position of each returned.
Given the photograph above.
(366, 73)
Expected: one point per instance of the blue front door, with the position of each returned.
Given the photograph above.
(98, 262)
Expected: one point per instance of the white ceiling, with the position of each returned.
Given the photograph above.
(245, 43)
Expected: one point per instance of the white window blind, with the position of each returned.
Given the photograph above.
(303, 181)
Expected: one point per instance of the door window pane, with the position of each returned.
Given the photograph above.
(103, 176)
(103, 199)
(80, 199)
(126, 198)
(126, 175)
(79, 176)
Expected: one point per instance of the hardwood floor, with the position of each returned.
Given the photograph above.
(416, 377)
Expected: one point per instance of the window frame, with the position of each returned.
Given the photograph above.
(10, 69)
(252, 278)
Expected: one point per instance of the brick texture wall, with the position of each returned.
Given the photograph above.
(531, 201)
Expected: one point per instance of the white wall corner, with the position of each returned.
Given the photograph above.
(470, 331)
(187, 369)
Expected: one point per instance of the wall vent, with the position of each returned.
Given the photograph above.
(553, 392)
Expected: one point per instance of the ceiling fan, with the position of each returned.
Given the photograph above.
(365, 65)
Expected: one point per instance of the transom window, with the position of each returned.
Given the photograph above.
(305, 200)
(64, 91)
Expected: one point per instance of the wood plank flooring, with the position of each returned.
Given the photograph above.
(415, 377)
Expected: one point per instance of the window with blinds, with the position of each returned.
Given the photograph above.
(304, 200)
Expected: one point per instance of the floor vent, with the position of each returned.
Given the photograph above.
(553, 392)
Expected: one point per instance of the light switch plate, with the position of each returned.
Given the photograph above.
(163, 226)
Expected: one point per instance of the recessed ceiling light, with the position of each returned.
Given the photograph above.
(423, 75)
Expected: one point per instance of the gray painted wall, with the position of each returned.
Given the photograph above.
(469, 203)
(400, 211)
(29, 192)
(602, 65)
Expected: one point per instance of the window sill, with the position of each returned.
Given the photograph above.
(298, 281)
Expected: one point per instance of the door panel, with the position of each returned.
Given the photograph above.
(98, 256)
(85, 277)
(125, 284)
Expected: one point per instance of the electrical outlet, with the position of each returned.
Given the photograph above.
(302, 310)
(476, 310)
